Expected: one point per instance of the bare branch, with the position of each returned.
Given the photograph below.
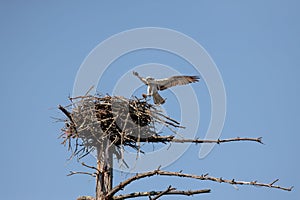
(67, 113)
(171, 138)
(91, 167)
(85, 173)
(259, 140)
(201, 177)
(174, 192)
(85, 198)
(163, 193)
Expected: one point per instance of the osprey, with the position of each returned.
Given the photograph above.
(154, 85)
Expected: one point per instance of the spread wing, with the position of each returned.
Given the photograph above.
(175, 80)
(141, 78)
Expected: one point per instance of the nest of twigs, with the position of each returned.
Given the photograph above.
(95, 122)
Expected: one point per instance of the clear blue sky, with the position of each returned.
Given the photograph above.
(255, 44)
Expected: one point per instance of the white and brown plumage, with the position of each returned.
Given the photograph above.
(154, 85)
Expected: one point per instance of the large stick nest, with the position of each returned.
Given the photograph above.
(94, 120)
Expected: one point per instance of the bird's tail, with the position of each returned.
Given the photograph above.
(158, 99)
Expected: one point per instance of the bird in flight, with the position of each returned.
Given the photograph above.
(154, 85)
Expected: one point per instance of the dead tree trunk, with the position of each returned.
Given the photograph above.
(105, 171)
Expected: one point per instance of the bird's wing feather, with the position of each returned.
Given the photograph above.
(175, 80)
(141, 78)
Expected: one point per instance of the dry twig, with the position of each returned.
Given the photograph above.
(85, 198)
(85, 173)
(201, 177)
(151, 193)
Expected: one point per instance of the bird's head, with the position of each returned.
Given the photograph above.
(148, 78)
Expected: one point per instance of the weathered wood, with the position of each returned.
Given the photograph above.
(105, 171)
